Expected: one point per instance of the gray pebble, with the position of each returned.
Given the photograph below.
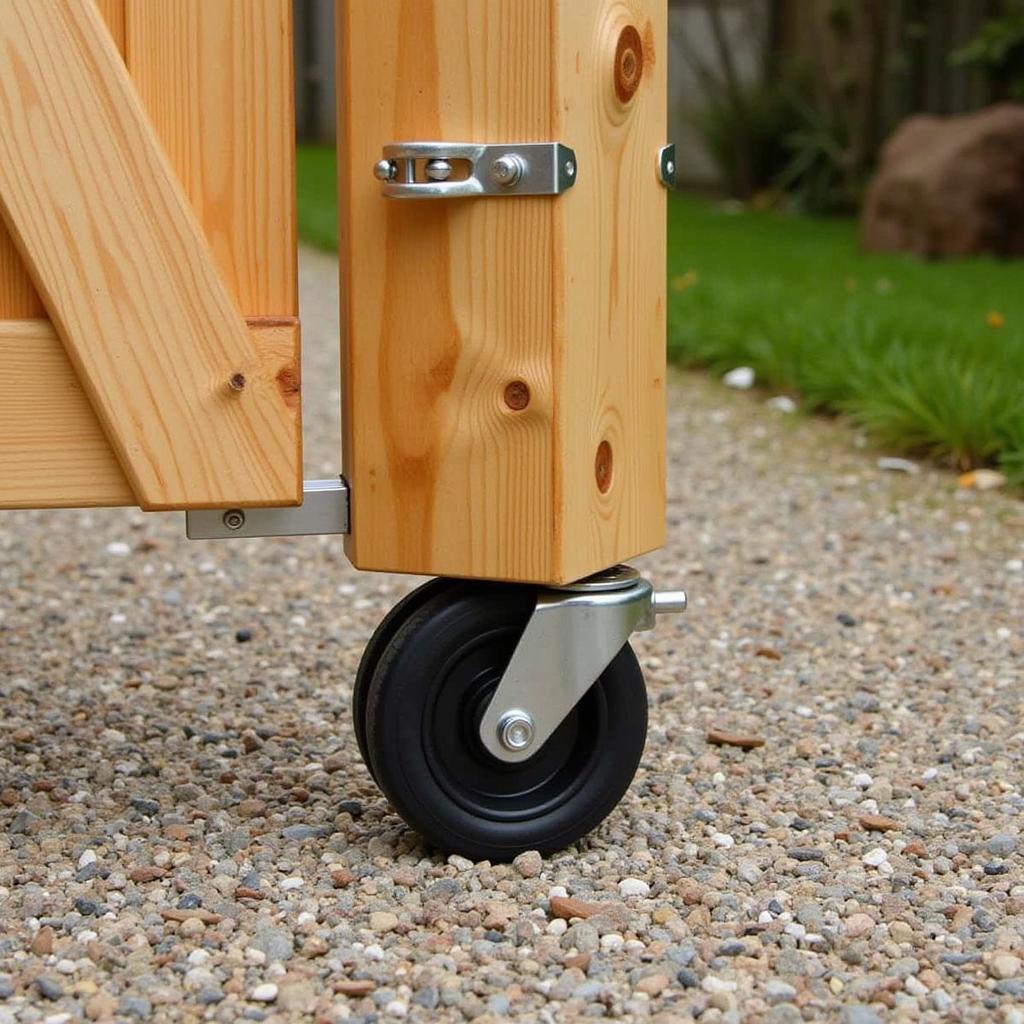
(274, 943)
(860, 1015)
(1001, 845)
(48, 987)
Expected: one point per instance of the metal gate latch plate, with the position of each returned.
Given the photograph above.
(506, 169)
(571, 638)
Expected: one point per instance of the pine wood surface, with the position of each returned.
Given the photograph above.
(54, 453)
(504, 358)
(151, 320)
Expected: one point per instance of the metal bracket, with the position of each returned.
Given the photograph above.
(324, 509)
(507, 169)
(571, 638)
(667, 165)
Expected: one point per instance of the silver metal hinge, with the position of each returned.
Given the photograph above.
(454, 170)
(571, 638)
(324, 510)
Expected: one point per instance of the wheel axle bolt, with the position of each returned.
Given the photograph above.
(515, 730)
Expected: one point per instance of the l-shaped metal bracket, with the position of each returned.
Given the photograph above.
(571, 638)
(324, 509)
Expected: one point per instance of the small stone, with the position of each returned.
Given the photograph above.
(879, 823)
(265, 993)
(48, 987)
(529, 864)
(334, 763)
(806, 853)
(633, 887)
(860, 1015)
(251, 809)
(742, 378)
(875, 858)
(145, 806)
(355, 987)
(847, 620)
(342, 878)
(861, 780)
(719, 737)
(42, 942)
(274, 943)
(1001, 845)
(383, 921)
(687, 978)
(243, 636)
(147, 873)
(900, 931)
(135, 1006)
(778, 991)
(209, 996)
(565, 906)
(314, 946)
(460, 863)
(303, 832)
(1004, 965)
(653, 985)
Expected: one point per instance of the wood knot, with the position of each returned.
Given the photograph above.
(517, 395)
(603, 467)
(237, 382)
(629, 63)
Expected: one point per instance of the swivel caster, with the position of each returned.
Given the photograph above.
(473, 774)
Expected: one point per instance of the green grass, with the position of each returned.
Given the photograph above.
(904, 348)
(318, 196)
(901, 347)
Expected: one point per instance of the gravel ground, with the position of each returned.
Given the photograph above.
(186, 831)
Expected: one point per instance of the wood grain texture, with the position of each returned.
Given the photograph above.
(18, 297)
(454, 311)
(53, 452)
(216, 79)
(126, 275)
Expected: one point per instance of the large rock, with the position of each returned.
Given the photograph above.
(950, 186)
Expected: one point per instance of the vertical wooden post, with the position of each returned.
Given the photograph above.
(505, 357)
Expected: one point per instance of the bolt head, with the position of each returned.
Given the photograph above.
(438, 170)
(507, 170)
(234, 519)
(515, 731)
(385, 170)
(670, 168)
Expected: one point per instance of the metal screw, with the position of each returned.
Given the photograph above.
(515, 730)
(385, 170)
(234, 519)
(670, 168)
(508, 170)
(439, 170)
(570, 169)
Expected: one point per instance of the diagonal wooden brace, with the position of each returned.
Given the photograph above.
(194, 414)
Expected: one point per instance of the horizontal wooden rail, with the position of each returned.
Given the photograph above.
(53, 451)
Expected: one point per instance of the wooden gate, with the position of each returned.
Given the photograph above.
(149, 337)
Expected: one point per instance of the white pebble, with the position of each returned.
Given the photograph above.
(88, 857)
(875, 858)
(374, 951)
(558, 890)
(66, 966)
(742, 378)
(782, 403)
(929, 773)
(287, 884)
(862, 780)
(633, 887)
(118, 548)
(724, 840)
(255, 956)
(396, 1008)
(611, 942)
(197, 957)
(265, 993)
(460, 863)
(1015, 565)
(557, 927)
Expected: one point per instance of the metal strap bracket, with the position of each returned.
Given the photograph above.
(324, 509)
(458, 170)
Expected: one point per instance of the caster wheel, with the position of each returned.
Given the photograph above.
(433, 679)
(382, 636)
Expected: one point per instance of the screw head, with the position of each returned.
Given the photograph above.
(515, 730)
(670, 168)
(570, 169)
(508, 170)
(385, 170)
(439, 170)
(234, 519)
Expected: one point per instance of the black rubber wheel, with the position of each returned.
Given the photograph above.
(380, 639)
(432, 683)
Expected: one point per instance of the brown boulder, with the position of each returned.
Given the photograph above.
(950, 186)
